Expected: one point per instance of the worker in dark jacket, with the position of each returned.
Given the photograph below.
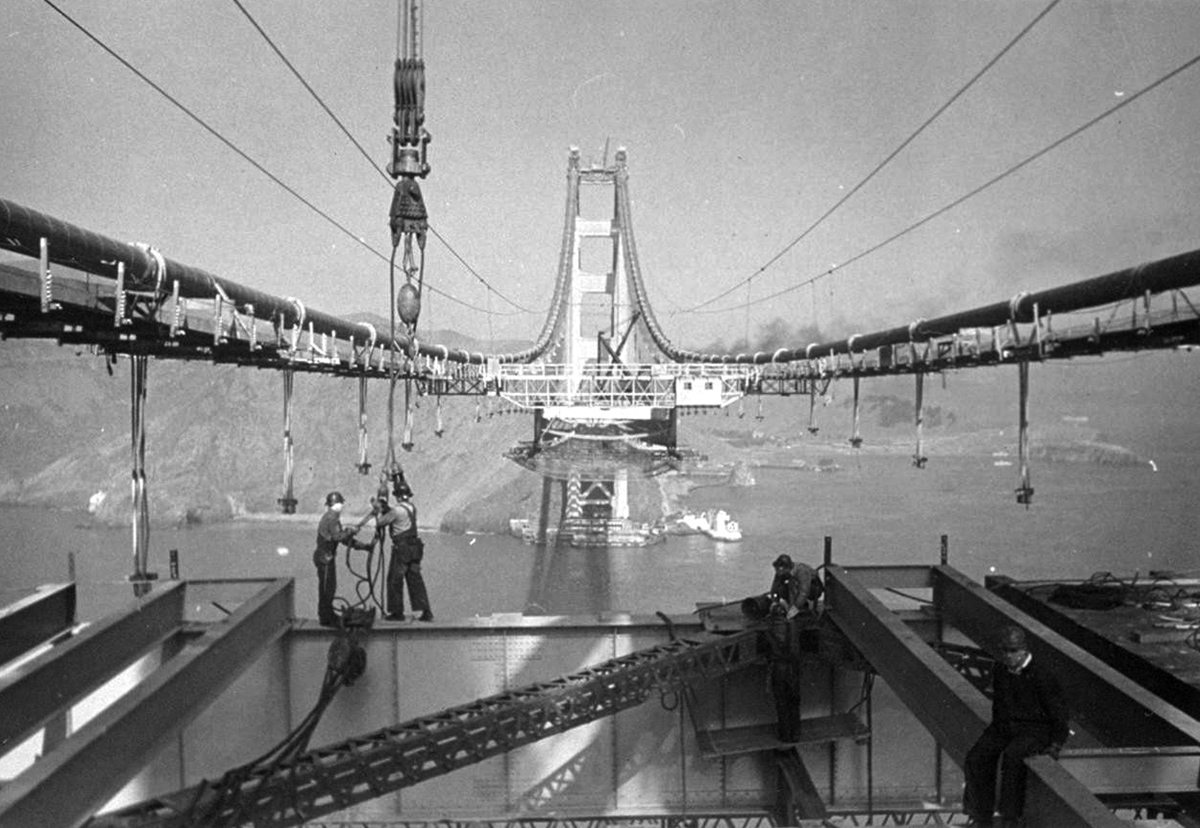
(407, 552)
(330, 533)
(796, 584)
(1029, 716)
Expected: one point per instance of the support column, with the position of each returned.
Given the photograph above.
(620, 495)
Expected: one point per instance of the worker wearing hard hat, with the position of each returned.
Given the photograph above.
(408, 550)
(330, 533)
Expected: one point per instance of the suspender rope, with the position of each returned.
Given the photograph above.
(364, 466)
(1024, 491)
(141, 505)
(920, 459)
(856, 438)
(288, 501)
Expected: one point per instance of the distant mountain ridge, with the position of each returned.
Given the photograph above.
(215, 432)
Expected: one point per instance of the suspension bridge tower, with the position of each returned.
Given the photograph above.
(596, 416)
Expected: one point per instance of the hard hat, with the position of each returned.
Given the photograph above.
(334, 497)
(783, 560)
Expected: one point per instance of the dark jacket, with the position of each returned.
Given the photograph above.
(1029, 700)
(330, 533)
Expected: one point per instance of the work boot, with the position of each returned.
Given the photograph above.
(426, 616)
(395, 616)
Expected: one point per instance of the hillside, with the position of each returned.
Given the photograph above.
(215, 434)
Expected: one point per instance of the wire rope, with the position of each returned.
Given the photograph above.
(971, 193)
(962, 90)
(361, 150)
(236, 149)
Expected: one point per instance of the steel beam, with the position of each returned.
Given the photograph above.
(1165, 770)
(33, 621)
(949, 707)
(893, 577)
(41, 688)
(946, 704)
(1056, 799)
(69, 784)
(1159, 681)
(1111, 705)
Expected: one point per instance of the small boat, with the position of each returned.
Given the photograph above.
(715, 523)
(720, 526)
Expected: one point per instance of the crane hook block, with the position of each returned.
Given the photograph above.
(408, 214)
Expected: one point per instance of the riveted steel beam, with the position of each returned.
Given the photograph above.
(1163, 683)
(70, 783)
(946, 704)
(1156, 770)
(1116, 708)
(33, 621)
(39, 689)
(949, 707)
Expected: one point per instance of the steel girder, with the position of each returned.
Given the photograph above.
(946, 704)
(41, 688)
(1156, 745)
(335, 777)
(33, 621)
(70, 783)
(1158, 680)
(1111, 705)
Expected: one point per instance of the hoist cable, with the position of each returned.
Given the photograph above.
(241, 153)
(886, 160)
(972, 193)
(341, 126)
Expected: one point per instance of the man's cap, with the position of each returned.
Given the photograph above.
(1012, 639)
(783, 560)
(334, 497)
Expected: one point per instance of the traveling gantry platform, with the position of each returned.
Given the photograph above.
(544, 720)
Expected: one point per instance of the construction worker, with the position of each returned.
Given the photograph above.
(797, 585)
(330, 533)
(407, 551)
(1029, 716)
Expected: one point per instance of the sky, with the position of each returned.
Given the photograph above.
(744, 123)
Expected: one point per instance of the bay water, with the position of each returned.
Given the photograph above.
(877, 508)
